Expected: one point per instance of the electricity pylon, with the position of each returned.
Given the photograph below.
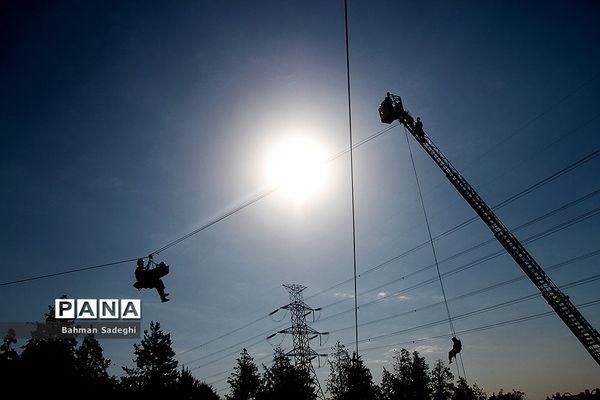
(302, 334)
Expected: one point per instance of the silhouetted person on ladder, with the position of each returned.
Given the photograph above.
(147, 278)
(419, 127)
(456, 348)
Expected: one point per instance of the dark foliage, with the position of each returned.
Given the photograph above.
(156, 374)
(46, 364)
(349, 378)
(514, 395)
(244, 381)
(55, 367)
(585, 395)
(285, 381)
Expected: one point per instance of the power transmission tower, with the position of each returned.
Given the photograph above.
(302, 334)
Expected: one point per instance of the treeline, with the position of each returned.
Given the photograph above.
(410, 378)
(585, 395)
(65, 367)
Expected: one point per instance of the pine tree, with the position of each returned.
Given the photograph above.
(10, 362)
(479, 393)
(339, 364)
(465, 392)
(420, 377)
(91, 367)
(360, 382)
(244, 380)
(389, 383)
(47, 361)
(156, 367)
(403, 371)
(349, 378)
(285, 381)
(90, 361)
(440, 382)
(7, 353)
(514, 395)
(188, 387)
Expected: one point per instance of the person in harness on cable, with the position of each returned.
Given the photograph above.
(456, 348)
(147, 278)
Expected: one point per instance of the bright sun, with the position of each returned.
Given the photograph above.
(298, 166)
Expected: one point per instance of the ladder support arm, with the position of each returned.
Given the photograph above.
(562, 305)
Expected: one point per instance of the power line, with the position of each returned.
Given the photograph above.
(486, 242)
(430, 280)
(474, 292)
(524, 192)
(478, 311)
(459, 269)
(225, 356)
(557, 228)
(463, 224)
(494, 307)
(214, 221)
(351, 175)
(70, 271)
(484, 327)
(195, 231)
(261, 196)
(80, 269)
(261, 336)
(502, 141)
(222, 336)
(435, 258)
(237, 346)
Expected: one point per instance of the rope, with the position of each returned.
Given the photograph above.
(70, 271)
(437, 265)
(351, 177)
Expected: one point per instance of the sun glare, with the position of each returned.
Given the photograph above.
(298, 166)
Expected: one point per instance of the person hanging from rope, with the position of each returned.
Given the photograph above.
(147, 278)
(456, 348)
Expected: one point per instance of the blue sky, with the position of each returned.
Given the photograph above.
(125, 127)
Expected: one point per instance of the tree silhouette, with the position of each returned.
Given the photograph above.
(403, 373)
(349, 378)
(285, 381)
(244, 380)
(585, 395)
(419, 377)
(90, 361)
(463, 391)
(47, 362)
(91, 367)
(440, 382)
(339, 364)
(156, 367)
(389, 383)
(188, 387)
(7, 353)
(514, 395)
(360, 382)
(479, 393)
(10, 362)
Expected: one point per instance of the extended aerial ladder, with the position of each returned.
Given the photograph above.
(391, 109)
